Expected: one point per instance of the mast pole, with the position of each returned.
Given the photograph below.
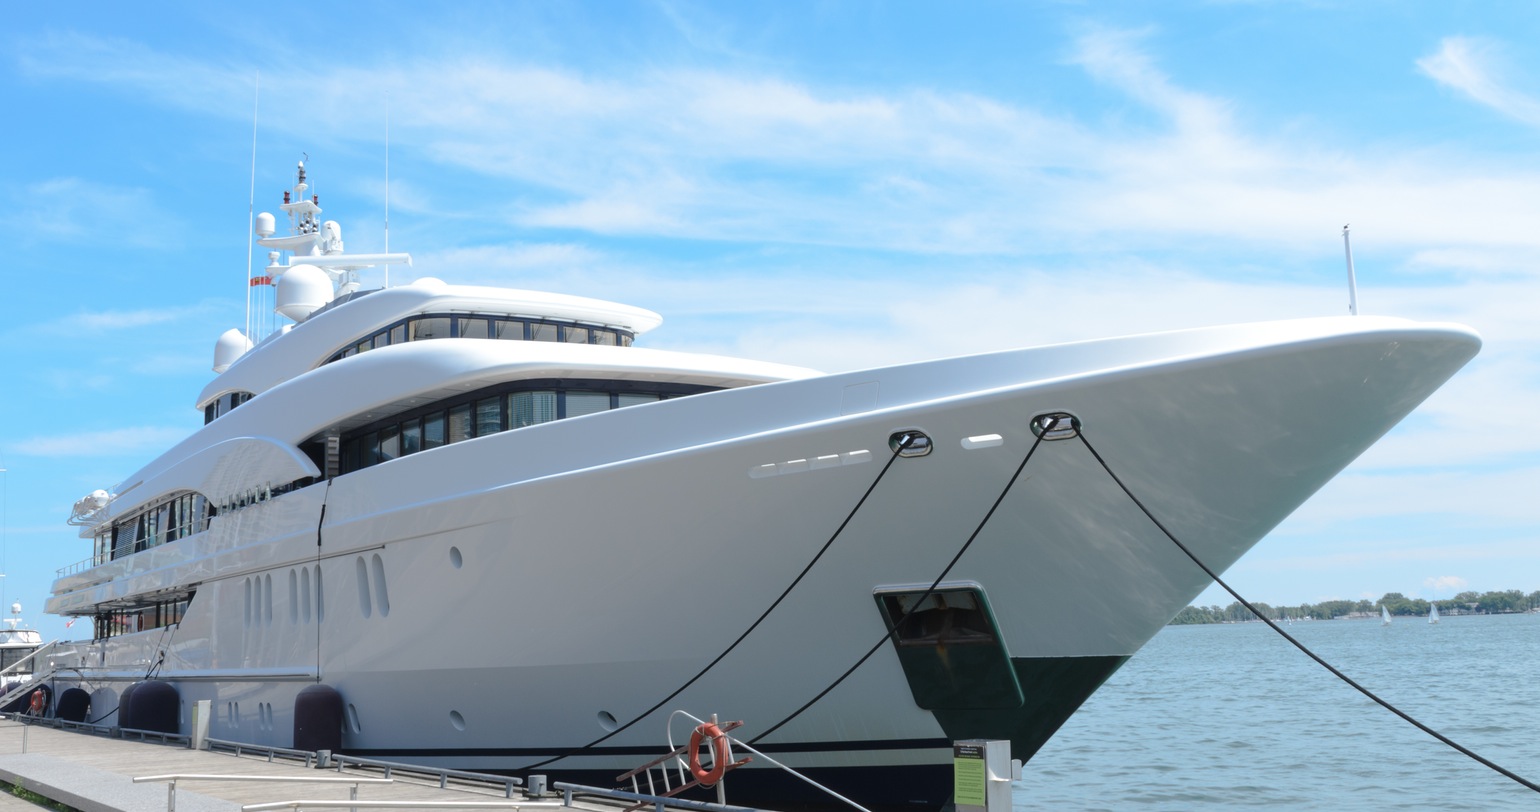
(387, 188)
(1352, 281)
(251, 202)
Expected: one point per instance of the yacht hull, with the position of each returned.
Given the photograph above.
(504, 601)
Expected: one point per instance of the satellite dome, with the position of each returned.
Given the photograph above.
(264, 225)
(231, 344)
(302, 290)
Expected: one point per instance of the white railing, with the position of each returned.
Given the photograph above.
(172, 779)
(311, 804)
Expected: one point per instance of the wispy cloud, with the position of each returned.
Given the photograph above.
(106, 321)
(725, 155)
(79, 210)
(1473, 66)
(1447, 584)
(118, 442)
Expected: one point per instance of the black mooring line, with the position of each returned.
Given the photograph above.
(915, 606)
(902, 445)
(1301, 646)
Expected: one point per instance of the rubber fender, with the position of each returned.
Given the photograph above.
(318, 718)
(74, 705)
(155, 707)
(126, 706)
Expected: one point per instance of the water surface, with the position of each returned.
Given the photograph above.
(1233, 717)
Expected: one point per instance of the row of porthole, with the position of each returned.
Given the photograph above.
(300, 594)
(259, 598)
(372, 572)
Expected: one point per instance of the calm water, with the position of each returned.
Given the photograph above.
(1232, 717)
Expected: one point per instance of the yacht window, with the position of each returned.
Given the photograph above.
(508, 329)
(411, 437)
(124, 543)
(575, 335)
(433, 430)
(380, 340)
(370, 448)
(460, 423)
(540, 331)
(473, 328)
(625, 399)
(605, 337)
(398, 334)
(581, 403)
(529, 408)
(390, 443)
(436, 327)
(350, 352)
(489, 416)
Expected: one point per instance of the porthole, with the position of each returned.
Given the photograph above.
(455, 559)
(457, 720)
(352, 716)
(607, 721)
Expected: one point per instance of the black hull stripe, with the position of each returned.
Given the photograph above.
(634, 750)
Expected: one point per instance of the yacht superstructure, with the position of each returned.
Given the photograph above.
(496, 532)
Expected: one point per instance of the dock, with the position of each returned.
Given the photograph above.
(96, 773)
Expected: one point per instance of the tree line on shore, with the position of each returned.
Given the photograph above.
(1465, 603)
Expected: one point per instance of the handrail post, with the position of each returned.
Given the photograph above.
(353, 796)
(171, 795)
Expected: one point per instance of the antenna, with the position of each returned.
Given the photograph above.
(251, 202)
(1352, 281)
(5, 499)
(387, 188)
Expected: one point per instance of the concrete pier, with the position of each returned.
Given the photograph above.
(95, 774)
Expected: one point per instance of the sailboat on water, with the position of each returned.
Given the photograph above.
(1384, 616)
(1433, 614)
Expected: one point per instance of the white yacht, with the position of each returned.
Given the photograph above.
(476, 527)
(17, 645)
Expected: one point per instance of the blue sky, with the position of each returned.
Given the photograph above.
(837, 185)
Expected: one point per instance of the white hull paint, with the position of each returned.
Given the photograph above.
(484, 604)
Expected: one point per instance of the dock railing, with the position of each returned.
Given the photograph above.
(311, 804)
(172, 779)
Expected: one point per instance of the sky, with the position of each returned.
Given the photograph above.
(835, 185)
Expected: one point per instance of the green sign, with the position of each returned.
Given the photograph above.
(968, 775)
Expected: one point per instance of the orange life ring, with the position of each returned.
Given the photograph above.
(719, 757)
(37, 702)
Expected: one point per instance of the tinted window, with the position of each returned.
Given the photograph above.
(411, 437)
(489, 416)
(421, 329)
(460, 423)
(581, 403)
(529, 408)
(473, 328)
(433, 430)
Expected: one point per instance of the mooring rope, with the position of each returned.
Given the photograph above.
(906, 440)
(1301, 646)
(914, 606)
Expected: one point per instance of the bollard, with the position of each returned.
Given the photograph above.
(536, 787)
(323, 759)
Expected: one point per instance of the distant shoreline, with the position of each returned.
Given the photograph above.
(1506, 602)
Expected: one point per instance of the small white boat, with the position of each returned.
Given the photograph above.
(1384, 616)
(1433, 614)
(17, 645)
